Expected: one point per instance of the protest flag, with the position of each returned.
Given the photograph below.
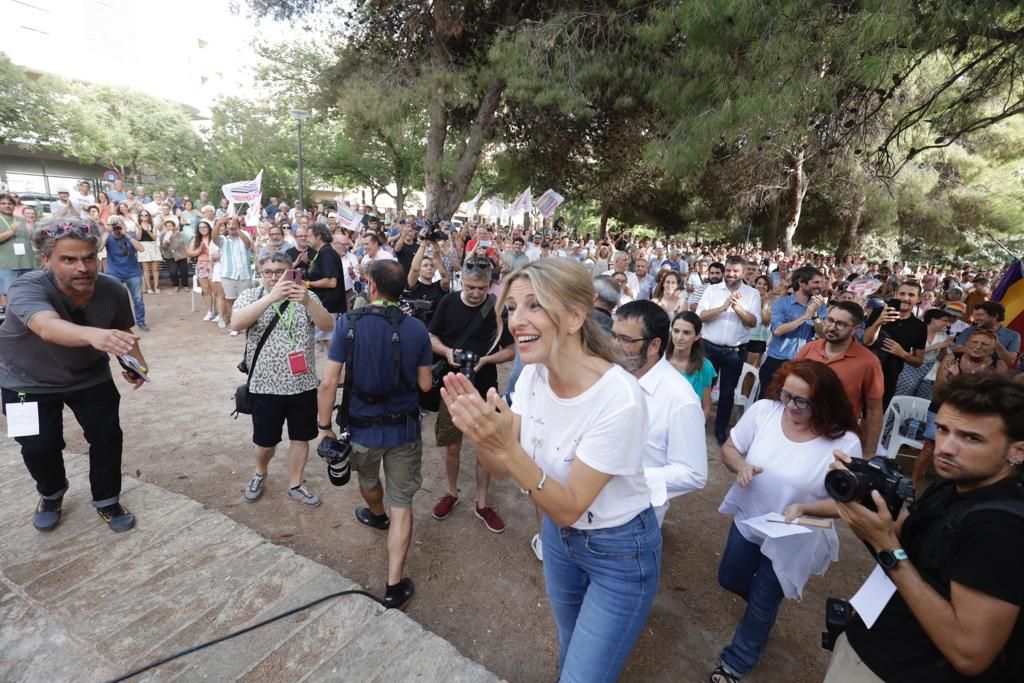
(1010, 293)
(548, 202)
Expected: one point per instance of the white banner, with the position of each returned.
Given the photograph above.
(245, 191)
(548, 202)
(470, 206)
(252, 216)
(523, 204)
(496, 207)
(349, 219)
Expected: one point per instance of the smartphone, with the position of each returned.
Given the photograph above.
(133, 367)
(894, 304)
(293, 274)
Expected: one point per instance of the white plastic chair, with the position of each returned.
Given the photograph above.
(901, 409)
(744, 401)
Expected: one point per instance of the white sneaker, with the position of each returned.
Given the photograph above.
(208, 317)
(538, 547)
(220, 322)
(234, 333)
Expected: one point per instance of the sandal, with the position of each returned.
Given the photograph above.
(723, 675)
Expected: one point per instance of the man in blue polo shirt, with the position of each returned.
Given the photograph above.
(383, 411)
(795, 320)
(123, 265)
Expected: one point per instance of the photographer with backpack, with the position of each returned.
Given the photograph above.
(952, 560)
(387, 358)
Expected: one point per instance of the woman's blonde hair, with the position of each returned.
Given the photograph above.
(564, 282)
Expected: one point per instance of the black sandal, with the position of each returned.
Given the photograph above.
(723, 675)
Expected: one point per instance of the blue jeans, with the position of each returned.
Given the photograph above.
(749, 574)
(134, 285)
(513, 376)
(7, 278)
(729, 365)
(601, 585)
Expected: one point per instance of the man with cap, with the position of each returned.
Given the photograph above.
(62, 207)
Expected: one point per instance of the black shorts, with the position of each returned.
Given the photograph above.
(270, 411)
(756, 346)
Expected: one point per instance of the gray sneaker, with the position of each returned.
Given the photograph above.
(255, 488)
(303, 495)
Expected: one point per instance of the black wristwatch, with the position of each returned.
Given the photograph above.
(890, 558)
(325, 428)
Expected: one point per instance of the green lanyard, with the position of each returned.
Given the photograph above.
(287, 322)
(385, 304)
(9, 225)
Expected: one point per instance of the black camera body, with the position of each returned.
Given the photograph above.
(335, 453)
(861, 477)
(466, 360)
(435, 232)
(417, 308)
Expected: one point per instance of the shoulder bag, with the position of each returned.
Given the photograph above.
(243, 403)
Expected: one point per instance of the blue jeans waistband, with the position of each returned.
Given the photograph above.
(642, 522)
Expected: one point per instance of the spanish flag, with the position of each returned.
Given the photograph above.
(1010, 293)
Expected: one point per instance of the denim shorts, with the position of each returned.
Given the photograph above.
(7, 277)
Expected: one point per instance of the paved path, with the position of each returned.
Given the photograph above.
(85, 604)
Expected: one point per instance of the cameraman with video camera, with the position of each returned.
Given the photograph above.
(386, 357)
(464, 331)
(420, 278)
(955, 557)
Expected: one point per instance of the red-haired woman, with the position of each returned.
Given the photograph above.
(780, 451)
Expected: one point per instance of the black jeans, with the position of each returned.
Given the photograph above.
(767, 372)
(729, 365)
(96, 409)
(178, 272)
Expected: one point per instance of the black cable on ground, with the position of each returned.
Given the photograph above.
(247, 629)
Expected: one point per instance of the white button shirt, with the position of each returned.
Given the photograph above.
(631, 279)
(675, 453)
(727, 329)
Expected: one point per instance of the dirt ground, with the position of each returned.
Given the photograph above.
(482, 591)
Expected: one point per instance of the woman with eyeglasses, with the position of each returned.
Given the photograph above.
(569, 442)
(105, 206)
(780, 451)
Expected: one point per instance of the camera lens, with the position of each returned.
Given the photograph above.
(842, 485)
(339, 472)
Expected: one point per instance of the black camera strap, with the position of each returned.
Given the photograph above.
(262, 341)
(485, 310)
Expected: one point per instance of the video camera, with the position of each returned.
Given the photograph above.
(466, 360)
(861, 477)
(335, 453)
(417, 308)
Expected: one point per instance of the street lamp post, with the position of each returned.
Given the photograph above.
(299, 115)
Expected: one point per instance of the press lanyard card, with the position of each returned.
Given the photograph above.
(297, 362)
(22, 419)
(19, 248)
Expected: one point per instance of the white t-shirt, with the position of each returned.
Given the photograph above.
(793, 473)
(605, 427)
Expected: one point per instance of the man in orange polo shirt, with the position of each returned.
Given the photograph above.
(857, 367)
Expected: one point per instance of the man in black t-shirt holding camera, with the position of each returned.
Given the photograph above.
(956, 556)
(478, 357)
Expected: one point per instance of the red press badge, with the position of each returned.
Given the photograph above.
(297, 362)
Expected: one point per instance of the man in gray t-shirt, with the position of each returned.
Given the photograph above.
(61, 324)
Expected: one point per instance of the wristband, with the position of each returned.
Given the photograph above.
(540, 484)
(325, 428)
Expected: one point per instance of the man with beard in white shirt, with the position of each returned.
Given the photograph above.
(675, 452)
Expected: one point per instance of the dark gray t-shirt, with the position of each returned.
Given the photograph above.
(29, 364)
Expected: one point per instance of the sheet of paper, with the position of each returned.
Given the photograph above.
(767, 524)
(873, 596)
(22, 419)
(19, 248)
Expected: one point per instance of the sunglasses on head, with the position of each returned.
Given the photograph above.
(478, 264)
(76, 229)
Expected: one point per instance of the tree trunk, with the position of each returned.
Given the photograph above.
(850, 240)
(766, 223)
(399, 194)
(444, 197)
(604, 221)
(794, 200)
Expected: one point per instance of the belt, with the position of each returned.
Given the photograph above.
(389, 420)
(739, 347)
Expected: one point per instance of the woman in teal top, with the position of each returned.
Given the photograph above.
(686, 354)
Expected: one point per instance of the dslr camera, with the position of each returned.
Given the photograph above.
(335, 453)
(435, 232)
(861, 477)
(466, 360)
(417, 308)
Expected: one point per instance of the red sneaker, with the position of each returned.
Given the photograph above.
(444, 506)
(490, 519)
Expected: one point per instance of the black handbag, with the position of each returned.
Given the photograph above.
(243, 402)
(431, 400)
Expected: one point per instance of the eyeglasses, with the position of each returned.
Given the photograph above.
(799, 403)
(623, 339)
(838, 323)
(272, 274)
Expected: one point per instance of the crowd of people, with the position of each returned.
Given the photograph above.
(622, 353)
